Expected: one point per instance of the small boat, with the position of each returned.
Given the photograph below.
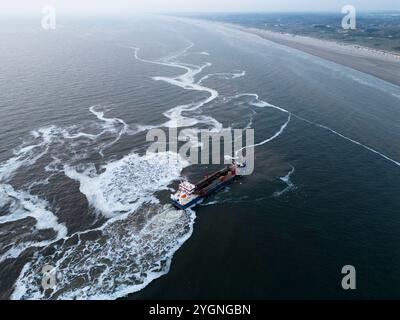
(190, 195)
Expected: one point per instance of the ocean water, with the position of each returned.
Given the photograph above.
(78, 192)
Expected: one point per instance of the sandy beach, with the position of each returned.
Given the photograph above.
(381, 64)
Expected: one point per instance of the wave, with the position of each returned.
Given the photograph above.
(376, 152)
(122, 191)
(127, 184)
(257, 102)
(132, 248)
(289, 184)
(121, 258)
(36, 223)
(135, 245)
(23, 206)
(140, 236)
(26, 155)
(187, 81)
(223, 75)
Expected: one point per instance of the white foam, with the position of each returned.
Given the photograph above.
(128, 256)
(136, 244)
(139, 238)
(63, 145)
(113, 124)
(224, 75)
(289, 184)
(128, 183)
(185, 81)
(263, 104)
(22, 205)
(27, 155)
(396, 95)
(260, 103)
(350, 140)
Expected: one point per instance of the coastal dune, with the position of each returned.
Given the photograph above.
(381, 64)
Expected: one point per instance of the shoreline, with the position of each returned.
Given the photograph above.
(381, 64)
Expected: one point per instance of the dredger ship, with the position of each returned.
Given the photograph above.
(190, 195)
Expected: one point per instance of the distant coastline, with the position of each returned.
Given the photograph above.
(379, 63)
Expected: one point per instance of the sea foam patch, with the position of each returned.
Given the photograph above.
(132, 248)
(111, 262)
(128, 183)
(31, 218)
(21, 205)
(187, 81)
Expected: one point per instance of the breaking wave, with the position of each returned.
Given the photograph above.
(36, 212)
(127, 184)
(139, 236)
(133, 246)
(122, 257)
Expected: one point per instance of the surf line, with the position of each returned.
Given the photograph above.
(112, 121)
(262, 104)
(187, 81)
(349, 139)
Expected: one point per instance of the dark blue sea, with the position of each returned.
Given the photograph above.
(78, 191)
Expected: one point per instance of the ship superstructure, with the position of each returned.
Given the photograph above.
(189, 195)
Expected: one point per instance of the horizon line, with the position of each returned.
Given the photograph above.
(15, 13)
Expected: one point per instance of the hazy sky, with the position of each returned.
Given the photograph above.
(137, 6)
